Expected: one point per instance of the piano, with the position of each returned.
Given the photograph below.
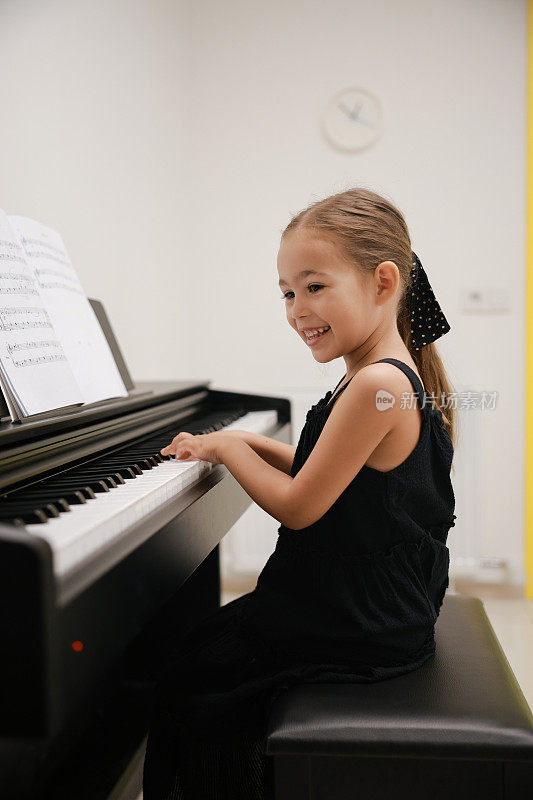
(109, 552)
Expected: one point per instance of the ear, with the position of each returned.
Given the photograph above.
(387, 280)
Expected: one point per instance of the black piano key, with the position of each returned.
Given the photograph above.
(138, 465)
(36, 515)
(117, 477)
(75, 497)
(143, 462)
(91, 475)
(61, 504)
(120, 465)
(93, 470)
(149, 453)
(80, 486)
(126, 472)
(153, 456)
(142, 451)
(68, 498)
(96, 484)
(49, 509)
(5, 516)
(26, 514)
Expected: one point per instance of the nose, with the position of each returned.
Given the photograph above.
(298, 306)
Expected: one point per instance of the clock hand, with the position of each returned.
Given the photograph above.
(345, 109)
(354, 114)
(365, 122)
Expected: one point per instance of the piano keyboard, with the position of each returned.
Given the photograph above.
(82, 510)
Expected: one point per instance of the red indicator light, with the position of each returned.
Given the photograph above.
(77, 646)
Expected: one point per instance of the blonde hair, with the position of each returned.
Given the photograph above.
(368, 229)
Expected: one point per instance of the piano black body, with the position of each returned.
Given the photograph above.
(80, 651)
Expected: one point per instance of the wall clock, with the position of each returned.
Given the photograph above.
(352, 119)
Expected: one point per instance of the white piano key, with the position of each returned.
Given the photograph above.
(89, 527)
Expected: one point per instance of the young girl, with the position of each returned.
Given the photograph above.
(365, 501)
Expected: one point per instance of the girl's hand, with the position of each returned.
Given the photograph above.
(202, 447)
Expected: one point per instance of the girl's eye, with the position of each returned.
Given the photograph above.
(317, 285)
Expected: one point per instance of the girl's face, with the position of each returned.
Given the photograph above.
(332, 294)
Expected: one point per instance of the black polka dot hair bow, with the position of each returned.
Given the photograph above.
(427, 320)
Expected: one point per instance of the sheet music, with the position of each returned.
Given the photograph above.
(33, 363)
(71, 313)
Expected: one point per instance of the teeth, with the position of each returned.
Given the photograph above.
(312, 333)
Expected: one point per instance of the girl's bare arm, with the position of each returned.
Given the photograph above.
(277, 454)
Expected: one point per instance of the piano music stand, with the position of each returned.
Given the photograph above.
(103, 319)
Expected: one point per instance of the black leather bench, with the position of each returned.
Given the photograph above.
(459, 727)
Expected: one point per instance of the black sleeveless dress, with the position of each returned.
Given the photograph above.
(352, 598)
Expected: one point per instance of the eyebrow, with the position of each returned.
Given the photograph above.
(302, 274)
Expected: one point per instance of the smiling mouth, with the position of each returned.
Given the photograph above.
(317, 336)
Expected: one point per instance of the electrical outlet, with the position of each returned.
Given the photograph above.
(485, 301)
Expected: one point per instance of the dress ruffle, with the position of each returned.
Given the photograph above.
(374, 609)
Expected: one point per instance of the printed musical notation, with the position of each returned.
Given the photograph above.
(53, 352)
(35, 374)
(17, 283)
(48, 278)
(72, 316)
(42, 353)
(14, 319)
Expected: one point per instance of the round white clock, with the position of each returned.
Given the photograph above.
(352, 119)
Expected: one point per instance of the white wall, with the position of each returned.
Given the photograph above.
(170, 142)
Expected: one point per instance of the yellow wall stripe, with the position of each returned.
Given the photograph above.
(529, 315)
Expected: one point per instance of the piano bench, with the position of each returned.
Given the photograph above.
(458, 727)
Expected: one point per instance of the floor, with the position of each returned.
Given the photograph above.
(511, 616)
(509, 613)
